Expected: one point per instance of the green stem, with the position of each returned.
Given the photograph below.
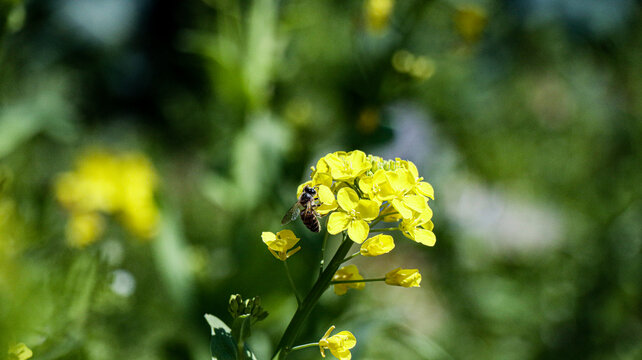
(351, 257)
(357, 281)
(287, 272)
(384, 229)
(299, 347)
(325, 240)
(304, 310)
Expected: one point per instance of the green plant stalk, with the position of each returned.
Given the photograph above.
(357, 281)
(287, 272)
(384, 229)
(305, 346)
(311, 299)
(325, 240)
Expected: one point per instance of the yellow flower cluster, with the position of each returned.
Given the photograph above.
(359, 189)
(107, 183)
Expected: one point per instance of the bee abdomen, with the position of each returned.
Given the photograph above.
(310, 221)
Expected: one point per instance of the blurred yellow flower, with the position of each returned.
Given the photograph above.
(404, 277)
(470, 21)
(338, 344)
(378, 14)
(84, 228)
(349, 272)
(118, 184)
(377, 245)
(19, 351)
(353, 215)
(280, 243)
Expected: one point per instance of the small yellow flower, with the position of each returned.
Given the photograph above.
(378, 14)
(280, 243)
(19, 352)
(404, 277)
(470, 21)
(402, 182)
(347, 166)
(84, 228)
(349, 272)
(377, 186)
(377, 245)
(338, 344)
(420, 187)
(419, 228)
(353, 216)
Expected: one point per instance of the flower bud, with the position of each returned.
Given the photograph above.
(404, 277)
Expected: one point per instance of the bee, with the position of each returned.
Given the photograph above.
(305, 206)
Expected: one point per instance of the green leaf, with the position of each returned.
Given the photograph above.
(223, 346)
(241, 330)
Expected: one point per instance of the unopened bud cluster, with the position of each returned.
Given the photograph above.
(238, 307)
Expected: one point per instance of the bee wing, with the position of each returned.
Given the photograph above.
(292, 214)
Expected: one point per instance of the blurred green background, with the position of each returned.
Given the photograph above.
(525, 115)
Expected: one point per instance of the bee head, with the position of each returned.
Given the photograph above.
(310, 190)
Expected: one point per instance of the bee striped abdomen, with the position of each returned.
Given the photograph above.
(310, 221)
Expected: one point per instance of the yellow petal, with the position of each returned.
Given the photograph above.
(337, 222)
(425, 189)
(288, 237)
(322, 179)
(358, 230)
(425, 237)
(428, 226)
(412, 168)
(415, 202)
(268, 236)
(347, 198)
(401, 208)
(367, 209)
(349, 341)
(325, 195)
(340, 289)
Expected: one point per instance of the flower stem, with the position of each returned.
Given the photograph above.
(357, 281)
(325, 240)
(351, 257)
(311, 299)
(287, 272)
(385, 229)
(299, 347)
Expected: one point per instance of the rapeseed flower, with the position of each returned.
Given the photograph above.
(353, 216)
(84, 228)
(349, 272)
(338, 344)
(378, 14)
(347, 166)
(281, 243)
(377, 245)
(419, 228)
(404, 277)
(107, 183)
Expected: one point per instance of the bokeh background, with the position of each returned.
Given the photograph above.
(145, 145)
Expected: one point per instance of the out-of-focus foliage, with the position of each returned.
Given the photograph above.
(524, 115)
